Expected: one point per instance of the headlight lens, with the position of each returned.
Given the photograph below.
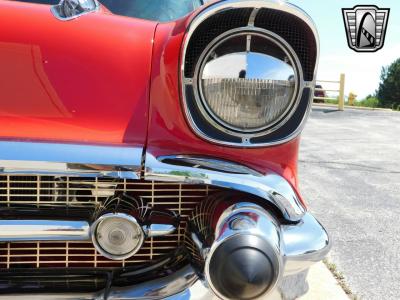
(247, 82)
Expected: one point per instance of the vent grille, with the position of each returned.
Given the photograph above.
(210, 29)
(44, 191)
(295, 32)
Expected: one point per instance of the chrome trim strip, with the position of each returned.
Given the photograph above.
(154, 230)
(70, 159)
(219, 6)
(253, 16)
(43, 230)
(62, 230)
(271, 187)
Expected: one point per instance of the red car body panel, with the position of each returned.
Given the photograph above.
(84, 80)
(96, 79)
(169, 132)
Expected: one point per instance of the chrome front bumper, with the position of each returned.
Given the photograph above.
(303, 244)
(304, 240)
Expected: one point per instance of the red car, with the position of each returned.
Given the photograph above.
(319, 93)
(149, 149)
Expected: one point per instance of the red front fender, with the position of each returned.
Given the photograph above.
(83, 80)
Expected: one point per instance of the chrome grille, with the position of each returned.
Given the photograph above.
(42, 191)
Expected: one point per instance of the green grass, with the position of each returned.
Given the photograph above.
(368, 102)
(371, 102)
(331, 101)
(340, 279)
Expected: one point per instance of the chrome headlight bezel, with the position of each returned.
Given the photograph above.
(215, 120)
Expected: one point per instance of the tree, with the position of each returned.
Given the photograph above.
(388, 92)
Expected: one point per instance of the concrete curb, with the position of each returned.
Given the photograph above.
(322, 285)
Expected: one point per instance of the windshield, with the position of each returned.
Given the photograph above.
(157, 10)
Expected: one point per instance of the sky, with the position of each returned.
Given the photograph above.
(362, 70)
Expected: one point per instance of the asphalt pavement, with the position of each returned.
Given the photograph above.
(349, 167)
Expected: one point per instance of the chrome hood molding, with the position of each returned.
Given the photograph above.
(70, 159)
(126, 162)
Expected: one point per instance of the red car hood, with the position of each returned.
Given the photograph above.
(84, 80)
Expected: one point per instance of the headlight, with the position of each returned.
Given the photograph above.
(247, 82)
(247, 72)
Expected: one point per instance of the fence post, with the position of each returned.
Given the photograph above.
(341, 92)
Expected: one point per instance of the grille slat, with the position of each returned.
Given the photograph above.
(41, 191)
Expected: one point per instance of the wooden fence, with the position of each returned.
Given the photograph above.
(339, 91)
